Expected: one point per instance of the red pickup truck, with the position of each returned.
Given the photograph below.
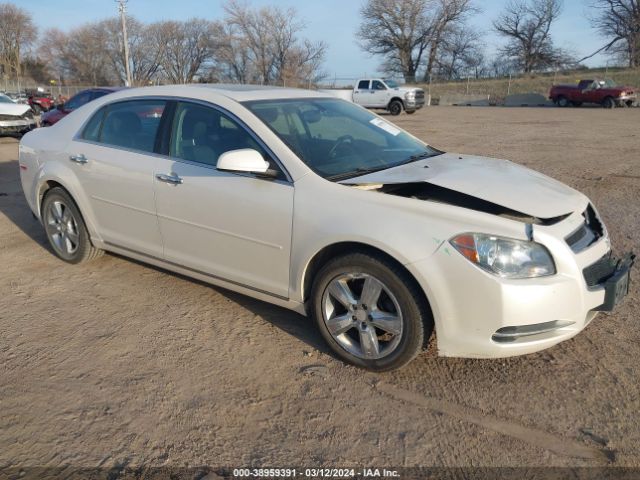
(602, 92)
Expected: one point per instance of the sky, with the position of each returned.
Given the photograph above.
(334, 21)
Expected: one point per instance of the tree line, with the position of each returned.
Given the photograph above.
(428, 39)
(249, 45)
(420, 40)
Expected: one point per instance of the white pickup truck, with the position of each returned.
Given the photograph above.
(377, 93)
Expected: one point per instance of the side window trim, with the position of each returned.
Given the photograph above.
(79, 136)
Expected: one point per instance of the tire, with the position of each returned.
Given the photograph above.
(410, 112)
(383, 336)
(608, 103)
(563, 101)
(395, 107)
(65, 228)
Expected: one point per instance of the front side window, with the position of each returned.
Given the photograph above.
(201, 134)
(378, 85)
(131, 124)
(338, 139)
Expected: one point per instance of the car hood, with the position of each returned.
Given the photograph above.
(497, 181)
(406, 89)
(16, 109)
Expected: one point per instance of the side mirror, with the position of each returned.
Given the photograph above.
(243, 160)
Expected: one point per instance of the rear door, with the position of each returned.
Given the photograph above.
(114, 161)
(232, 226)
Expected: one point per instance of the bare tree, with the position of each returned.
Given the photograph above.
(270, 38)
(397, 30)
(445, 20)
(527, 26)
(187, 47)
(145, 49)
(619, 22)
(461, 54)
(17, 34)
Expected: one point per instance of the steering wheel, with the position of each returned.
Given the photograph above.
(344, 140)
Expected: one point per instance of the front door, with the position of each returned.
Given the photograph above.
(231, 226)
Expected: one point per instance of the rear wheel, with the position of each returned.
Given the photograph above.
(395, 107)
(563, 101)
(370, 311)
(609, 103)
(65, 228)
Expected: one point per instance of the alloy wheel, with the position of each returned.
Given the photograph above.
(62, 228)
(362, 315)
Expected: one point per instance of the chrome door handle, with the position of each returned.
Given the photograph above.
(173, 179)
(79, 159)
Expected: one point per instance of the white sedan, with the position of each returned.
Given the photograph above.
(317, 205)
(15, 118)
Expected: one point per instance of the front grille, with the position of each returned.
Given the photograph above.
(588, 233)
(419, 94)
(598, 272)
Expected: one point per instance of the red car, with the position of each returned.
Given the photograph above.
(602, 92)
(40, 102)
(85, 96)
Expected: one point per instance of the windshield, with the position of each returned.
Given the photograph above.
(5, 99)
(338, 139)
(391, 83)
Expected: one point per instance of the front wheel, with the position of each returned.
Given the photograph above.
(65, 228)
(370, 311)
(395, 107)
(609, 103)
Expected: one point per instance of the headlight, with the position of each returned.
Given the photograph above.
(505, 257)
(410, 95)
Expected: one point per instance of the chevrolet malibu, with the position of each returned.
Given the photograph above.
(317, 205)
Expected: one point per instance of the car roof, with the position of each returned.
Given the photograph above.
(237, 92)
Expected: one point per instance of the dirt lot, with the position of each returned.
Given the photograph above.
(118, 364)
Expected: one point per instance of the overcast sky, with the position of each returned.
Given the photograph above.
(334, 21)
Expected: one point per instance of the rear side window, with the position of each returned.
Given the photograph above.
(91, 131)
(133, 124)
(363, 85)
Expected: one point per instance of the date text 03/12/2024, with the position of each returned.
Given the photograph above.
(315, 473)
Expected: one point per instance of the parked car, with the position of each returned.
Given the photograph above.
(602, 92)
(318, 205)
(378, 93)
(15, 118)
(40, 101)
(63, 109)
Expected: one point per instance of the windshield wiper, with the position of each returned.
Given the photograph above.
(419, 156)
(354, 173)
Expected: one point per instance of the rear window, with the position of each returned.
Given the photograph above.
(132, 125)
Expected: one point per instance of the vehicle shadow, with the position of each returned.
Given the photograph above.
(14, 206)
(286, 320)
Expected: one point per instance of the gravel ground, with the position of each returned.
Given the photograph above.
(116, 364)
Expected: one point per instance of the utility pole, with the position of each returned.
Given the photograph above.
(122, 8)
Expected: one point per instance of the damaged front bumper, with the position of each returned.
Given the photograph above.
(481, 315)
(18, 126)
